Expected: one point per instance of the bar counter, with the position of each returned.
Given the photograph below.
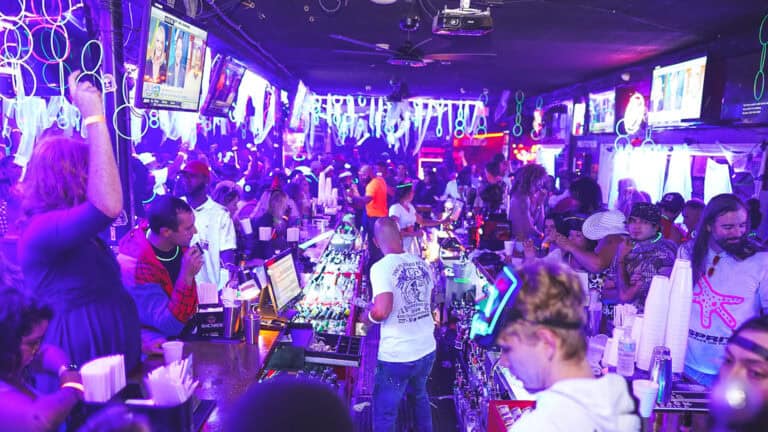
(225, 371)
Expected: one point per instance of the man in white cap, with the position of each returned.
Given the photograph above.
(607, 228)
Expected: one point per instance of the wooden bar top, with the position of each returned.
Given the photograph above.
(225, 371)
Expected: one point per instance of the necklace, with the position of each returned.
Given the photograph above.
(178, 248)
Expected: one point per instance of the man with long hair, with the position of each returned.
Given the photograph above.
(730, 283)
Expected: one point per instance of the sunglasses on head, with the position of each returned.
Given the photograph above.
(711, 269)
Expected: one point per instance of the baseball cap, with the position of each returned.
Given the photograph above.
(673, 202)
(197, 167)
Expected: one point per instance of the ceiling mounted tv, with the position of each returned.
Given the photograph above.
(556, 117)
(226, 76)
(743, 101)
(602, 112)
(171, 61)
(677, 93)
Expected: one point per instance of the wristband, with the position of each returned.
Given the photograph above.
(74, 385)
(370, 318)
(99, 118)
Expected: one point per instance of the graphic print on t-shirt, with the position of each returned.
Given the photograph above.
(413, 283)
(712, 302)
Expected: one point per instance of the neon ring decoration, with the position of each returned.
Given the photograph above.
(539, 102)
(143, 116)
(62, 81)
(517, 130)
(22, 8)
(53, 29)
(621, 140)
(11, 64)
(759, 84)
(21, 57)
(519, 96)
(648, 138)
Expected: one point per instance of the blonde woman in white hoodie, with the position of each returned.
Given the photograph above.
(543, 344)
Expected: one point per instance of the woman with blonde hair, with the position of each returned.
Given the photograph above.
(543, 344)
(71, 193)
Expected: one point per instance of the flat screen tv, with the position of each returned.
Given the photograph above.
(171, 61)
(226, 76)
(602, 112)
(743, 102)
(556, 117)
(677, 92)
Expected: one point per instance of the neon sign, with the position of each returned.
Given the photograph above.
(634, 114)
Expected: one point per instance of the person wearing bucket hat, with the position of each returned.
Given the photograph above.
(641, 256)
(671, 205)
(607, 228)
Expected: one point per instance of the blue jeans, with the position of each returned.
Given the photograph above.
(395, 380)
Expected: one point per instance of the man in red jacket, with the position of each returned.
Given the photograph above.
(159, 268)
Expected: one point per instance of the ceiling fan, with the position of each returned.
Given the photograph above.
(407, 54)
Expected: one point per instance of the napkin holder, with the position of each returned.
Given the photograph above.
(185, 417)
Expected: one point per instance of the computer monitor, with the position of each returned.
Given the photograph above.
(283, 280)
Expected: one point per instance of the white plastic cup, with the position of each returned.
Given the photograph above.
(247, 227)
(645, 391)
(173, 351)
(265, 233)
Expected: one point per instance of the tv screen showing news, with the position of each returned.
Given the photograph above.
(226, 76)
(602, 111)
(171, 62)
(284, 279)
(676, 92)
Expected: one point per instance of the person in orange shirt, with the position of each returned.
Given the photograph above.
(376, 206)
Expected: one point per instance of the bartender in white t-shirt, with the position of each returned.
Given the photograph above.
(402, 287)
(215, 229)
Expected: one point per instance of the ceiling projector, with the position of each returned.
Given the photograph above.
(463, 21)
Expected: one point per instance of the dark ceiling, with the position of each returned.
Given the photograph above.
(540, 44)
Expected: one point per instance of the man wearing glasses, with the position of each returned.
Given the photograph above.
(730, 283)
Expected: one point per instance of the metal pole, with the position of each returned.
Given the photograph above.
(107, 25)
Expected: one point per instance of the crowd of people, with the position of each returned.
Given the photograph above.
(200, 214)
